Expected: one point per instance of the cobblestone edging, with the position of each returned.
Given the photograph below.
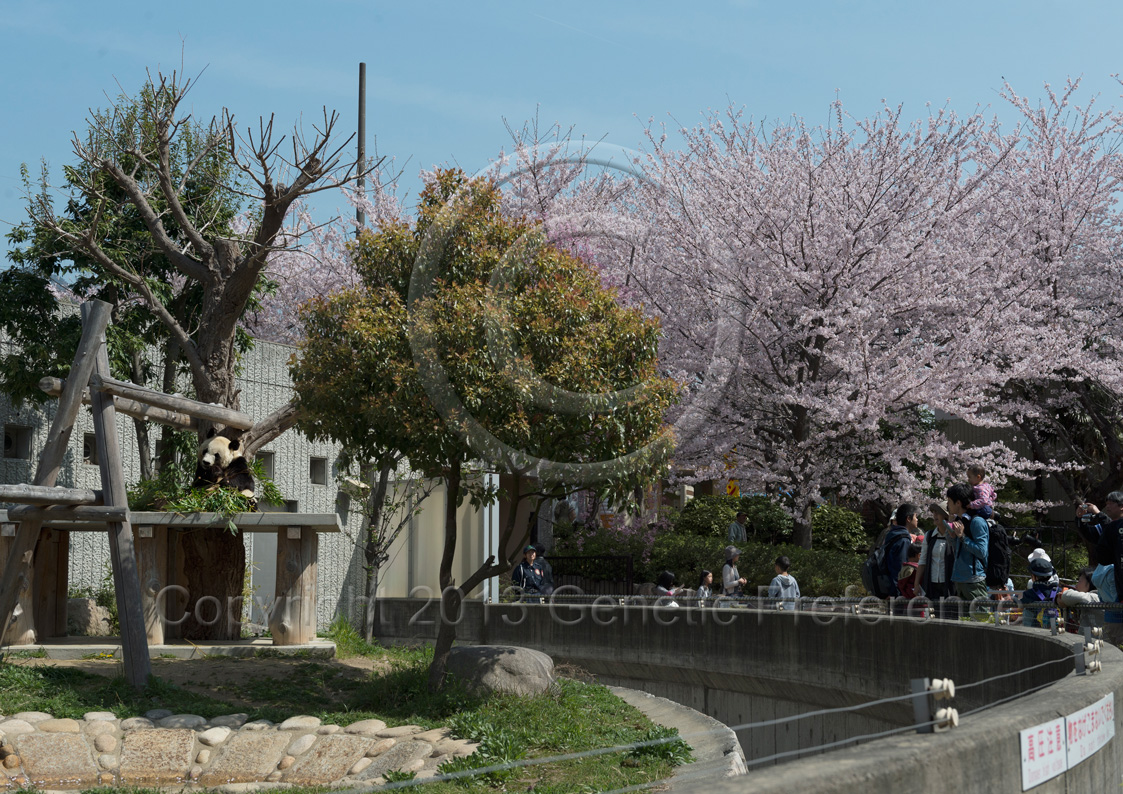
(227, 753)
(717, 752)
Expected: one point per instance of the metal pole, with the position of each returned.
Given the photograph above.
(360, 216)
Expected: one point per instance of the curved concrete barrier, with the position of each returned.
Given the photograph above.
(748, 668)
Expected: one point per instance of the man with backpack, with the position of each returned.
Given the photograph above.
(880, 570)
(971, 540)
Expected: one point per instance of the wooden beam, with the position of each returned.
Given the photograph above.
(54, 387)
(293, 620)
(42, 495)
(171, 402)
(126, 580)
(95, 319)
(66, 513)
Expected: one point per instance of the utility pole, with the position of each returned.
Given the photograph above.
(360, 216)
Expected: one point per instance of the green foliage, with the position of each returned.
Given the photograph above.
(398, 776)
(769, 522)
(818, 571)
(837, 528)
(103, 595)
(707, 516)
(664, 744)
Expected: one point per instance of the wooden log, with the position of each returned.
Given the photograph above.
(293, 619)
(137, 410)
(184, 405)
(50, 592)
(126, 584)
(24, 494)
(151, 563)
(102, 513)
(95, 318)
(21, 629)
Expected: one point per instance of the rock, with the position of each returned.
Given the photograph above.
(366, 726)
(286, 762)
(214, 736)
(359, 766)
(105, 743)
(273, 777)
(156, 758)
(55, 760)
(502, 668)
(302, 743)
(32, 716)
(381, 746)
(98, 716)
(158, 714)
(14, 727)
(99, 727)
(230, 720)
(457, 747)
(328, 730)
(58, 726)
(132, 724)
(107, 761)
(257, 725)
(194, 772)
(407, 756)
(189, 721)
(401, 730)
(329, 760)
(247, 756)
(107, 778)
(301, 722)
(204, 757)
(84, 618)
(11, 761)
(433, 736)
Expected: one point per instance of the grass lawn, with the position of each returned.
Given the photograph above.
(389, 684)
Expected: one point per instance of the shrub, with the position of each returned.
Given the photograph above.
(837, 528)
(768, 521)
(707, 516)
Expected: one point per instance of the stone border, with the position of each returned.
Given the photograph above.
(717, 753)
(226, 753)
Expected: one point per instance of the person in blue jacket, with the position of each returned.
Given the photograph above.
(972, 538)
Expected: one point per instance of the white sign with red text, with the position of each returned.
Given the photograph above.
(1090, 729)
(1044, 753)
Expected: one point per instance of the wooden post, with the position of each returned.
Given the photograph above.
(151, 563)
(21, 630)
(50, 594)
(126, 585)
(17, 571)
(293, 621)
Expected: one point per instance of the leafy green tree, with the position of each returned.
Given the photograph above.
(474, 344)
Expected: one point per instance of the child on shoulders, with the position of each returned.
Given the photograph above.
(983, 493)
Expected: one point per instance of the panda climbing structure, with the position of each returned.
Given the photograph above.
(221, 464)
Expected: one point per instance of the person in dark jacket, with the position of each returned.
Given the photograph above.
(897, 542)
(937, 556)
(527, 574)
(545, 568)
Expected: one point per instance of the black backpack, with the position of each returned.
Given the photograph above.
(998, 556)
(874, 577)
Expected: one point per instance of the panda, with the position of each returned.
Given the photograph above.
(221, 464)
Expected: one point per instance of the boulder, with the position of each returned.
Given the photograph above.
(502, 668)
(84, 618)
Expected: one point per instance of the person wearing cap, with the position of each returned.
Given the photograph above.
(1038, 602)
(736, 532)
(732, 583)
(527, 575)
(544, 567)
(1041, 554)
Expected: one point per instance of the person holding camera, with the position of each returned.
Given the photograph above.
(1107, 529)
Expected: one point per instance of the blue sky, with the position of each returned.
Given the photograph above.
(442, 77)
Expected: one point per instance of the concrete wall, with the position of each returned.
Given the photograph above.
(743, 667)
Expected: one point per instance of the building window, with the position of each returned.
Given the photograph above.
(17, 442)
(89, 450)
(266, 458)
(318, 471)
(292, 506)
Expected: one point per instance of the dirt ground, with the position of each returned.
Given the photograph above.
(227, 678)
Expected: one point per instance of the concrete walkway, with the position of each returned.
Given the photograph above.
(717, 753)
(225, 753)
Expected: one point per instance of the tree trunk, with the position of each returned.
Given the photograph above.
(215, 564)
(451, 597)
(802, 532)
(373, 550)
